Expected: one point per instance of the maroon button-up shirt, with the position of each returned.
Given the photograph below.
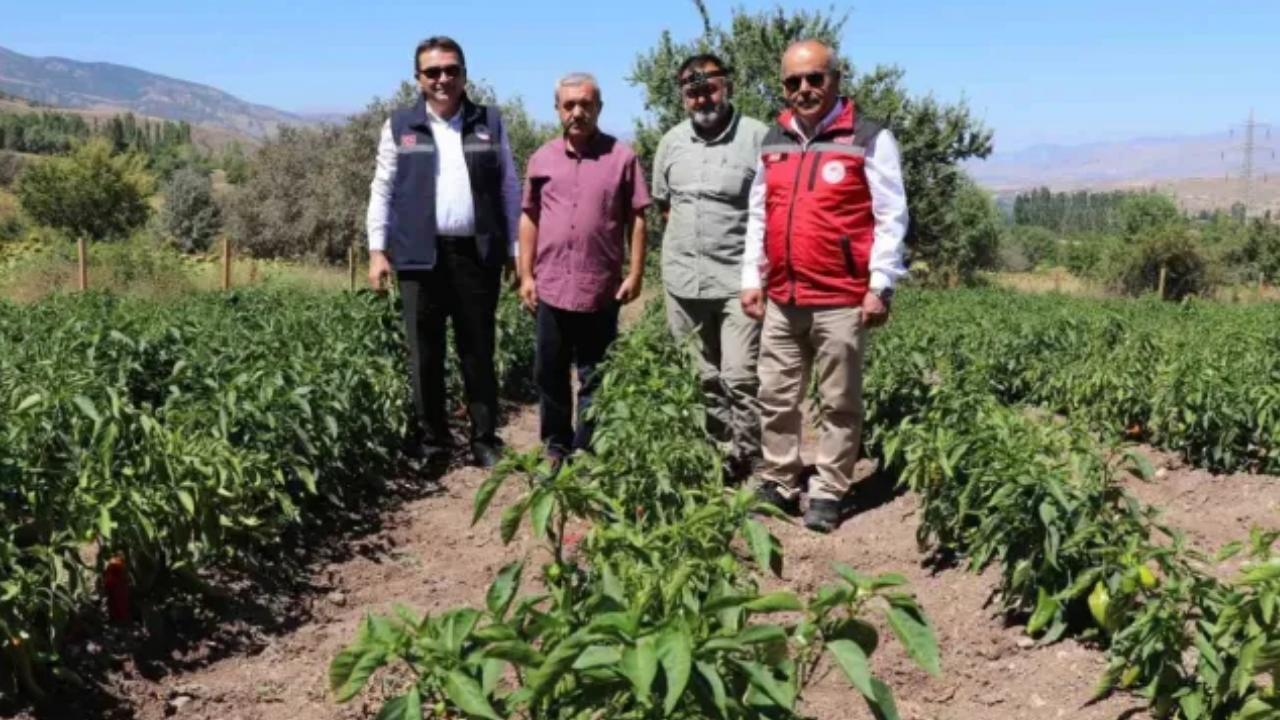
(582, 205)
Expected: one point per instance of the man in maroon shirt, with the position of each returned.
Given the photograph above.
(584, 198)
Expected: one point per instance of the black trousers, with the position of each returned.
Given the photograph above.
(565, 339)
(464, 289)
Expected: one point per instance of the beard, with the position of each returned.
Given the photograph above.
(710, 116)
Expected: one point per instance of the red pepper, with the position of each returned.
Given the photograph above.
(115, 581)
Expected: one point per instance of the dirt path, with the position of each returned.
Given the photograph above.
(429, 558)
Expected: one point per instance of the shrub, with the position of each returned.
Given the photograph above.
(190, 217)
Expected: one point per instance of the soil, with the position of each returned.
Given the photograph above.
(427, 556)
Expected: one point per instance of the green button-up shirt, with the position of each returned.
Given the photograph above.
(707, 185)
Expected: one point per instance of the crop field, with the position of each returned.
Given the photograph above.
(1063, 512)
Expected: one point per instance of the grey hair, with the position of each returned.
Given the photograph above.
(576, 79)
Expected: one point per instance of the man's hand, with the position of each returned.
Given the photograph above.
(630, 289)
(753, 303)
(529, 294)
(379, 270)
(874, 311)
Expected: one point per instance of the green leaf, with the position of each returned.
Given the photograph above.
(598, 656)
(491, 675)
(458, 624)
(763, 681)
(466, 694)
(1192, 706)
(640, 665)
(29, 402)
(503, 589)
(883, 707)
(188, 502)
(511, 520)
(917, 637)
(853, 661)
(759, 634)
(104, 522)
(86, 406)
(1046, 609)
(775, 602)
(761, 543)
(484, 496)
(351, 669)
(712, 677)
(543, 504)
(675, 652)
(1257, 709)
(405, 707)
(516, 652)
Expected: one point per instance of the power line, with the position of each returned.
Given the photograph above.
(1249, 149)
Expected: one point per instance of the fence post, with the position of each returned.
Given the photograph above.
(351, 266)
(82, 251)
(1163, 273)
(226, 263)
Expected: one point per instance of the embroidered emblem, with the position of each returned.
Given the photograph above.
(482, 133)
(833, 172)
(843, 140)
(773, 157)
(408, 141)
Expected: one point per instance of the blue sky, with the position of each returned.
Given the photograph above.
(1049, 71)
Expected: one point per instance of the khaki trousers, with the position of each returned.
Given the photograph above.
(794, 342)
(729, 344)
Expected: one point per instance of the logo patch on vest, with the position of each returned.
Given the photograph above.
(833, 172)
(408, 141)
(843, 140)
(482, 133)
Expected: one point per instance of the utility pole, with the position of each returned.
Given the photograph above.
(1249, 149)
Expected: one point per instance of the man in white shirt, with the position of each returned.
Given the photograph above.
(444, 212)
(826, 222)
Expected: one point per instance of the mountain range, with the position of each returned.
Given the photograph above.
(106, 86)
(1210, 162)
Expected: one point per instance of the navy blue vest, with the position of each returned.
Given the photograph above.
(411, 224)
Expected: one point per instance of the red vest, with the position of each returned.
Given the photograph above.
(818, 221)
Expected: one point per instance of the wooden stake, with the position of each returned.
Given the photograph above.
(1057, 279)
(351, 265)
(1163, 274)
(226, 263)
(82, 250)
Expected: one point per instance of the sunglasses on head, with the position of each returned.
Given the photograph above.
(435, 71)
(815, 80)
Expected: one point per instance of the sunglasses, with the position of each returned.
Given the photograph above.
(435, 71)
(815, 80)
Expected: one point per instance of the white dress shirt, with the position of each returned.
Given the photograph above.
(888, 204)
(454, 205)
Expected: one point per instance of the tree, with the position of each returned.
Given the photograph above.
(190, 217)
(1144, 213)
(308, 189)
(934, 137)
(90, 194)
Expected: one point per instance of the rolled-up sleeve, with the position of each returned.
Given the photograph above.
(753, 258)
(380, 191)
(889, 205)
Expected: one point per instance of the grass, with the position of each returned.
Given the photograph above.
(1058, 280)
(143, 270)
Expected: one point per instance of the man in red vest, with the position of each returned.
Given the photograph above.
(828, 214)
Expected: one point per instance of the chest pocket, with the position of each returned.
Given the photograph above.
(733, 179)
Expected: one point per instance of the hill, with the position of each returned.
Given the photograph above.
(111, 88)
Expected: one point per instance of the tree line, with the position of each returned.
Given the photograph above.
(51, 133)
(303, 193)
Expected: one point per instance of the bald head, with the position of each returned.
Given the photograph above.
(810, 80)
(806, 53)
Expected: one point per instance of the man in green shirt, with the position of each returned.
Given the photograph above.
(702, 178)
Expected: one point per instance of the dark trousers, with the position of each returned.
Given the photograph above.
(565, 339)
(465, 290)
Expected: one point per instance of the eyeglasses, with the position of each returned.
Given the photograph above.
(815, 80)
(435, 71)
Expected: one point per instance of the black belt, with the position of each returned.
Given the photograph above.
(455, 238)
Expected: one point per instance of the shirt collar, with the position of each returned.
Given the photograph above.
(452, 121)
(829, 118)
